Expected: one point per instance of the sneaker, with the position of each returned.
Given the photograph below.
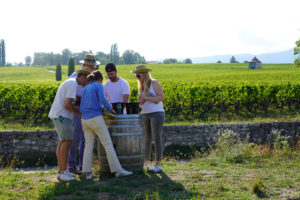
(70, 173)
(89, 176)
(79, 170)
(66, 177)
(156, 168)
(123, 172)
(73, 171)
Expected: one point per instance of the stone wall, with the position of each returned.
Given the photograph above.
(202, 135)
(33, 143)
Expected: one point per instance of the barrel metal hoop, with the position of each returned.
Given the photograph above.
(125, 157)
(129, 133)
(124, 126)
(130, 116)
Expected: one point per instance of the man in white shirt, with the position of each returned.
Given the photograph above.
(61, 115)
(116, 89)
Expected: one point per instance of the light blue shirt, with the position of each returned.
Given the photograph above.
(92, 100)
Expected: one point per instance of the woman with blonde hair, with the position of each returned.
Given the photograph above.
(93, 124)
(151, 97)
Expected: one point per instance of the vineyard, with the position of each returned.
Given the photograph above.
(198, 91)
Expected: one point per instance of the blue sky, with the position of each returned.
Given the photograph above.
(156, 29)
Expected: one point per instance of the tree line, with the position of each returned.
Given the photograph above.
(128, 57)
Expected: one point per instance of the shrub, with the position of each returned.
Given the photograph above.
(231, 148)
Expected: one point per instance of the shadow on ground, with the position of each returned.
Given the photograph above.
(141, 185)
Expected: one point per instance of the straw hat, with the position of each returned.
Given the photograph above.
(90, 60)
(84, 70)
(140, 68)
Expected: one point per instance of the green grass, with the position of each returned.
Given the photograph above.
(233, 169)
(231, 72)
(263, 177)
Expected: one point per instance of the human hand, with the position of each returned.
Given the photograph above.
(113, 112)
(142, 97)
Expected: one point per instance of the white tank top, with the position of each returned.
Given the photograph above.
(149, 106)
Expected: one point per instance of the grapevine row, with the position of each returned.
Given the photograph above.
(183, 100)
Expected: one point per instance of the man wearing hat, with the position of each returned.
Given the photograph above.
(78, 135)
(116, 88)
(61, 115)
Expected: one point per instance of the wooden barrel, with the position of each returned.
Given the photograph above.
(127, 135)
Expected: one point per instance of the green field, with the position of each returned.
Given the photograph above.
(221, 72)
(195, 93)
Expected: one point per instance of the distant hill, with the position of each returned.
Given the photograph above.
(276, 57)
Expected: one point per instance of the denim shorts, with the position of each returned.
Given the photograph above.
(63, 128)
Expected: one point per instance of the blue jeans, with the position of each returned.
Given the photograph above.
(78, 138)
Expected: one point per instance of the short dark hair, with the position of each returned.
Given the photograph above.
(110, 67)
(81, 74)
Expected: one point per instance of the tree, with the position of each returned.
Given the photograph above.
(170, 61)
(114, 55)
(2, 53)
(131, 57)
(79, 56)
(138, 59)
(58, 72)
(128, 57)
(219, 61)
(102, 57)
(27, 61)
(233, 60)
(71, 67)
(188, 61)
(297, 54)
(66, 55)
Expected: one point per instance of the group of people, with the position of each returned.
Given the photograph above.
(77, 116)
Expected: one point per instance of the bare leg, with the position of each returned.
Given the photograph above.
(64, 154)
(58, 149)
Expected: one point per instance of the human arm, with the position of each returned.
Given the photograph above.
(103, 99)
(160, 96)
(140, 99)
(126, 92)
(70, 107)
(125, 98)
(71, 96)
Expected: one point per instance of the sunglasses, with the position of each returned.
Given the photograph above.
(138, 76)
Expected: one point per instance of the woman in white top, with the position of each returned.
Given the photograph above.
(151, 97)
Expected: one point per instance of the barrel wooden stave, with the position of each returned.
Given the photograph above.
(128, 139)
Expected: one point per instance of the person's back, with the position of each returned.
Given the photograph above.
(92, 100)
(66, 90)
